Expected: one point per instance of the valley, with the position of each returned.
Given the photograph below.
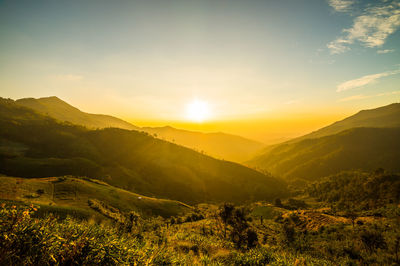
(337, 190)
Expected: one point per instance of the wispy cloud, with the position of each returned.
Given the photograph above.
(385, 51)
(371, 28)
(338, 46)
(365, 80)
(68, 77)
(341, 5)
(362, 96)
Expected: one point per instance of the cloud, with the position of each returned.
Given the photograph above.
(385, 51)
(339, 46)
(341, 5)
(370, 29)
(361, 96)
(365, 80)
(69, 77)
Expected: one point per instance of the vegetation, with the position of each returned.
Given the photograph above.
(358, 190)
(208, 235)
(83, 194)
(75, 200)
(358, 148)
(126, 159)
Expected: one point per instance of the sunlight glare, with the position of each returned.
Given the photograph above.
(197, 111)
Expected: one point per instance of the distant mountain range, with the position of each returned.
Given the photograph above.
(35, 145)
(219, 145)
(367, 140)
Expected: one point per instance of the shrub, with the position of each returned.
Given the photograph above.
(372, 240)
(253, 257)
(48, 241)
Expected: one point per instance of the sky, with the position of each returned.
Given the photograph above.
(265, 69)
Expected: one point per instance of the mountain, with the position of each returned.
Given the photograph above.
(62, 111)
(367, 140)
(219, 145)
(34, 145)
(358, 148)
(385, 116)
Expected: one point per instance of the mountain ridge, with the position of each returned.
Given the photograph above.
(61, 110)
(127, 159)
(388, 116)
(218, 144)
(332, 148)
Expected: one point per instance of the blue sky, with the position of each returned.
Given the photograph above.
(144, 60)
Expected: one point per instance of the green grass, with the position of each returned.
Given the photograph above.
(71, 195)
(33, 235)
(267, 212)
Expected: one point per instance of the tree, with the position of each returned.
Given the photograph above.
(278, 202)
(240, 232)
(225, 213)
(372, 240)
(352, 216)
(252, 238)
(289, 233)
(239, 225)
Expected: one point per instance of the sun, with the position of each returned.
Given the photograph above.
(197, 111)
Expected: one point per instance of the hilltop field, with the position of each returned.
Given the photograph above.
(77, 196)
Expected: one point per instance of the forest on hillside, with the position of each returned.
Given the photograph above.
(33, 145)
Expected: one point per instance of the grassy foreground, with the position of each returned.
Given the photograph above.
(211, 235)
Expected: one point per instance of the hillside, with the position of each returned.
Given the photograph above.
(358, 148)
(74, 194)
(358, 190)
(347, 219)
(33, 145)
(62, 111)
(326, 150)
(385, 116)
(219, 145)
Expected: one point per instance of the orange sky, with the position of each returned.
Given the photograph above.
(268, 131)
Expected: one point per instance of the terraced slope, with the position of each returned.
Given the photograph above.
(73, 194)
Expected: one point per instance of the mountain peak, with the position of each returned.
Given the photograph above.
(387, 108)
(381, 117)
(51, 98)
(63, 111)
